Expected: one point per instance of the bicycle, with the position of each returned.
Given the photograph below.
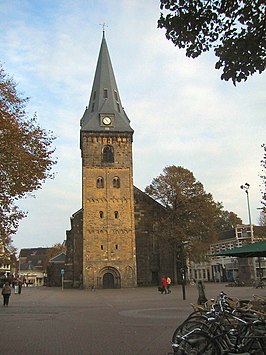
(225, 329)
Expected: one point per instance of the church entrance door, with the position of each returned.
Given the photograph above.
(108, 280)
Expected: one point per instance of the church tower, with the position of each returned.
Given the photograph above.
(109, 252)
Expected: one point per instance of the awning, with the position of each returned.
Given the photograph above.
(248, 250)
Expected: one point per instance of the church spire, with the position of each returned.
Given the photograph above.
(105, 99)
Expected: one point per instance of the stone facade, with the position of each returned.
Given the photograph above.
(154, 258)
(74, 250)
(109, 255)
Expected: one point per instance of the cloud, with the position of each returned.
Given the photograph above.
(182, 113)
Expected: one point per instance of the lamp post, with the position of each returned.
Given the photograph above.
(246, 187)
(183, 266)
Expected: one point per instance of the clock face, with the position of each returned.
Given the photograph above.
(107, 120)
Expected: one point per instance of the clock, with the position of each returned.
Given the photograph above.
(107, 121)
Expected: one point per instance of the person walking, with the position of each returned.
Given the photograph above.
(164, 285)
(6, 292)
(168, 281)
(201, 289)
(19, 286)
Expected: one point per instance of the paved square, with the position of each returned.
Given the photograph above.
(49, 321)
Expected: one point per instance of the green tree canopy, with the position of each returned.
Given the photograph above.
(25, 155)
(235, 29)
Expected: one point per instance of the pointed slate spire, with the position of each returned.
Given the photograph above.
(105, 100)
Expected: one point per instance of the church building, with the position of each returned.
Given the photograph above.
(112, 242)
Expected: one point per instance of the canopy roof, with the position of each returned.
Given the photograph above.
(248, 250)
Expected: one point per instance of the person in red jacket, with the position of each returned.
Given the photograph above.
(164, 285)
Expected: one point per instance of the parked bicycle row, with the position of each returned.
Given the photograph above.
(226, 325)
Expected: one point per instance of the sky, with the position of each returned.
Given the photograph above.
(181, 112)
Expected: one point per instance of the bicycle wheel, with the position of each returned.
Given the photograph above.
(190, 324)
(196, 343)
(256, 343)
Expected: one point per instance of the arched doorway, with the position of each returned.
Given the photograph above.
(108, 280)
(109, 277)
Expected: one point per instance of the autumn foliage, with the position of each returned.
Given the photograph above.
(25, 155)
(191, 215)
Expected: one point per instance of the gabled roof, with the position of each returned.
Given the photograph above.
(105, 99)
(33, 251)
(60, 258)
(33, 258)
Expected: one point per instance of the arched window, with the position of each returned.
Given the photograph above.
(100, 182)
(101, 214)
(108, 154)
(116, 214)
(116, 182)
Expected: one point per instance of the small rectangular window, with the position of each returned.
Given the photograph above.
(116, 96)
(94, 95)
(118, 106)
(105, 93)
(101, 247)
(116, 246)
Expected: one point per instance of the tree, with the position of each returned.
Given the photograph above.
(235, 29)
(25, 155)
(189, 211)
(225, 220)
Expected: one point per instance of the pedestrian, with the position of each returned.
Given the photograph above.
(6, 292)
(19, 286)
(202, 298)
(168, 281)
(164, 285)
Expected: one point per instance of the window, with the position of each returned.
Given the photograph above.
(116, 95)
(94, 95)
(116, 246)
(105, 93)
(116, 182)
(101, 214)
(116, 214)
(100, 182)
(108, 154)
(101, 247)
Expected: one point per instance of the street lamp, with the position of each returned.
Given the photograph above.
(246, 187)
(183, 266)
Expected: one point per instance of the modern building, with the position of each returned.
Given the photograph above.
(228, 268)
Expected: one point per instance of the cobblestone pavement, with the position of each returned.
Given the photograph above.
(51, 321)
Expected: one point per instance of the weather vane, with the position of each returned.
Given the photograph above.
(103, 24)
